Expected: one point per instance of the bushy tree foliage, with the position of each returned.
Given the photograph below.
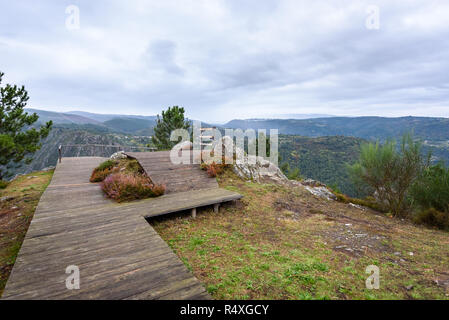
(17, 140)
(290, 173)
(388, 172)
(172, 118)
(431, 190)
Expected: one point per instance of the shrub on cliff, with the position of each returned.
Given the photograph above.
(102, 171)
(431, 189)
(126, 187)
(388, 173)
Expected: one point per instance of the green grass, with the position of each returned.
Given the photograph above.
(3, 184)
(16, 215)
(254, 250)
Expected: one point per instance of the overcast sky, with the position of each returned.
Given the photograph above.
(230, 59)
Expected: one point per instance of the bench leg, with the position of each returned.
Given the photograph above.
(216, 207)
(194, 213)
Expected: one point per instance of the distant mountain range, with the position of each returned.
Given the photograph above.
(370, 128)
(107, 117)
(319, 147)
(58, 117)
(126, 124)
(316, 157)
(297, 116)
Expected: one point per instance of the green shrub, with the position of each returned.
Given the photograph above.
(103, 170)
(128, 166)
(291, 173)
(3, 184)
(294, 174)
(133, 166)
(431, 189)
(100, 175)
(433, 217)
(368, 202)
(108, 164)
(388, 173)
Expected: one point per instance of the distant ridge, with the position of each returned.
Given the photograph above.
(299, 116)
(372, 128)
(62, 118)
(106, 117)
(129, 124)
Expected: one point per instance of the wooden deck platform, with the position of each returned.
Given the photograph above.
(175, 177)
(187, 186)
(118, 253)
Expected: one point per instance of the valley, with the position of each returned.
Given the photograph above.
(321, 148)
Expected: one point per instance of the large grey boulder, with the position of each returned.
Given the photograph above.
(251, 167)
(321, 192)
(119, 155)
(258, 169)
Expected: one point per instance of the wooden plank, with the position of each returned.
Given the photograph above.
(119, 254)
(175, 177)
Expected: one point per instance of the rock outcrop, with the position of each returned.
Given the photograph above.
(321, 192)
(119, 155)
(255, 168)
(259, 169)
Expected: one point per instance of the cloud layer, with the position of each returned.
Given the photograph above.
(230, 59)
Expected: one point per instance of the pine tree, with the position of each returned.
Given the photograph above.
(172, 118)
(17, 140)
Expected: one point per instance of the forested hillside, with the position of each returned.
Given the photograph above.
(135, 126)
(320, 148)
(322, 158)
(91, 136)
(371, 128)
(433, 132)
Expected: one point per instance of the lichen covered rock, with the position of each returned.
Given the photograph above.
(119, 155)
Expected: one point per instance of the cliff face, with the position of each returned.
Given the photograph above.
(47, 156)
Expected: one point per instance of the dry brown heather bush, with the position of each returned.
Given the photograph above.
(125, 180)
(213, 169)
(127, 187)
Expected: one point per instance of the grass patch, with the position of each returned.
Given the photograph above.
(16, 214)
(368, 202)
(252, 250)
(3, 184)
(126, 166)
(103, 170)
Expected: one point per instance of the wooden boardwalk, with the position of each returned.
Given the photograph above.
(177, 178)
(118, 253)
(187, 186)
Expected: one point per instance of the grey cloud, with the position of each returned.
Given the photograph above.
(230, 59)
(162, 52)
